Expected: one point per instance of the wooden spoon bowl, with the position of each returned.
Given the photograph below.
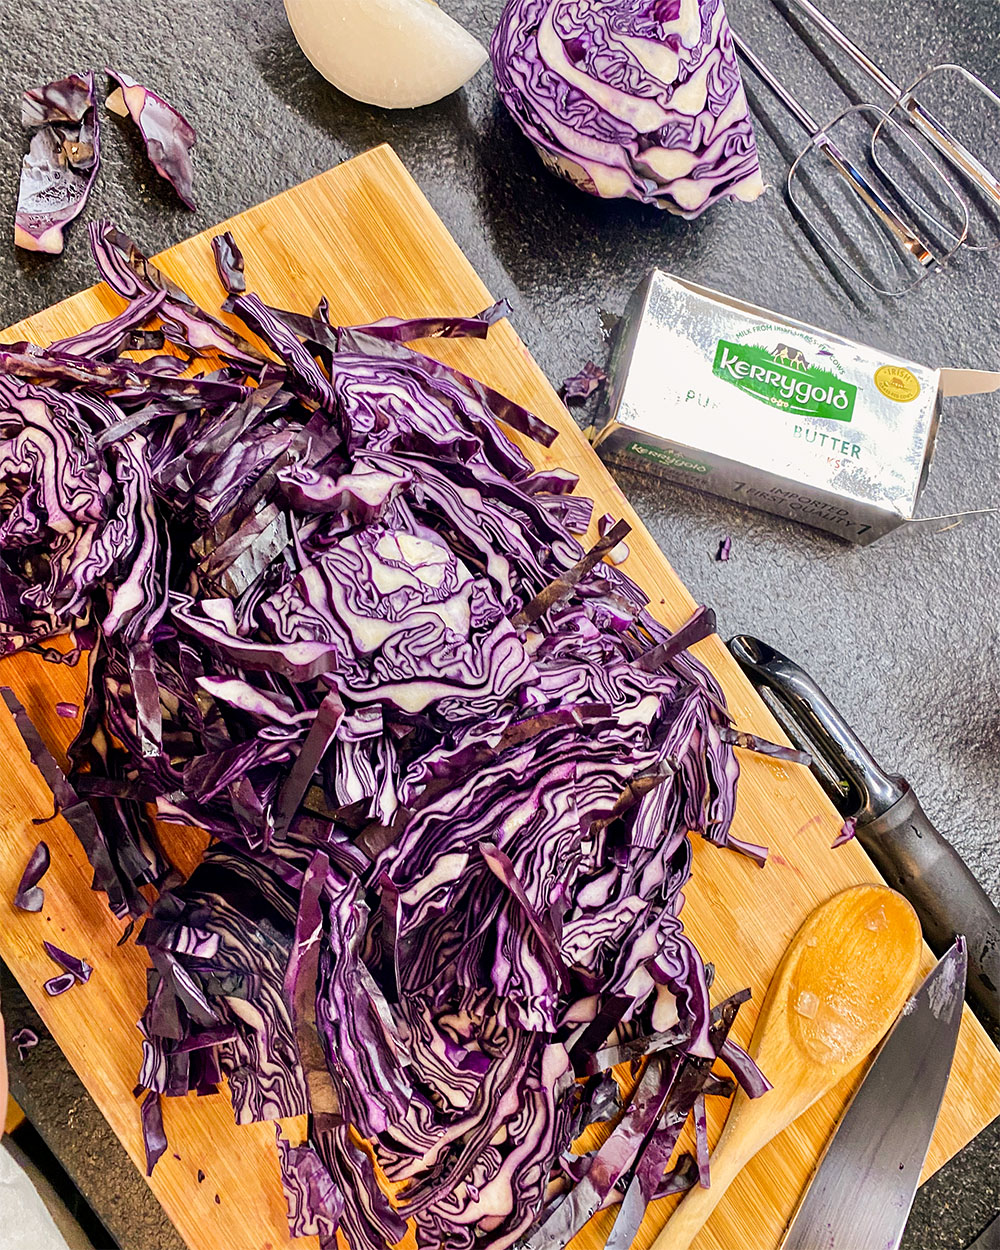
(841, 983)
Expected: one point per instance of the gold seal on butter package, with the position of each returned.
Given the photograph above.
(741, 402)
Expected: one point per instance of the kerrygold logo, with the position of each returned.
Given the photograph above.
(784, 379)
(669, 458)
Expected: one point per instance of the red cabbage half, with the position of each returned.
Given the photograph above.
(448, 760)
(642, 100)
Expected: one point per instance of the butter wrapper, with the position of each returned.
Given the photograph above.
(753, 406)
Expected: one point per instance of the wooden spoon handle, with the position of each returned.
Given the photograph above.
(841, 983)
(728, 1160)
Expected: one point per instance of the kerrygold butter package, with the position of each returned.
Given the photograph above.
(747, 404)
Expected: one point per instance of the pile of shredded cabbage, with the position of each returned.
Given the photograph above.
(448, 760)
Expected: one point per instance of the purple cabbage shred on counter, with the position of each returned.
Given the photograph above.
(25, 1040)
(55, 986)
(641, 100)
(154, 1139)
(583, 384)
(63, 158)
(229, 263)
(79, 969)
(168, 135)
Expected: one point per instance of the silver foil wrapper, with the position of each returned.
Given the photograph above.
(744, 403)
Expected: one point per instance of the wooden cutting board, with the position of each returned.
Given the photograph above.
(364, 235)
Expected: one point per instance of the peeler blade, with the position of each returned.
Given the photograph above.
(857, 785)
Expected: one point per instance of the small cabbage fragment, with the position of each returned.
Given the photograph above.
(701, 1142)
(847, 832)
(754, 742)
(25, 1040)
(700, 624)
(77, 968)
(154, 1139)
(168, 135)
(68, 711)
(725, 547)
(583, 384)
(620, 552)
(642, 100)
(315, 1204)
(29, 895)
(60, 984)
(62, 161)
(229, 262)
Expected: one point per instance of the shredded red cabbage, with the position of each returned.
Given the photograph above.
(448, 760)
(168, 135)
(229, 263)
(847, 831)
(154, 1139)
(754, 742)
(60, 984)
(725, 547)
(583, 384)
(620, 552)
(29, 895)
(62, 161)
(701, 1142)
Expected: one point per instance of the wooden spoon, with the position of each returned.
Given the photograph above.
(842, 982)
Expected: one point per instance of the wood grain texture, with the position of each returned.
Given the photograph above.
(365, 236)
(14, 1117)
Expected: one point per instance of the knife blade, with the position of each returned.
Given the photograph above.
(989, 1238)
(861, 1193)
(909, 852)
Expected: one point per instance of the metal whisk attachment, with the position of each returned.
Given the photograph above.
(893, 193)
(955, 101)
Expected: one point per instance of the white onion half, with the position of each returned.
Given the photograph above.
(392, 53)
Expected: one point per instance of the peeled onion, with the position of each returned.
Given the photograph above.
(392, 53)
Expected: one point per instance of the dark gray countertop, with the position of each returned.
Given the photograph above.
(903, 635)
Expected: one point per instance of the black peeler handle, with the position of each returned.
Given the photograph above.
(912, 856)
(919, 862)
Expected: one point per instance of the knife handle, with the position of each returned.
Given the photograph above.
(919, 862)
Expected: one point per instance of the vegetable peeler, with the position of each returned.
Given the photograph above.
(912, 856)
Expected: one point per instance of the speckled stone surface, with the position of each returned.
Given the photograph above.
(903, 635)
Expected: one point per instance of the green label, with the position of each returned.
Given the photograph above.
(785, 379)
(669, 458)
